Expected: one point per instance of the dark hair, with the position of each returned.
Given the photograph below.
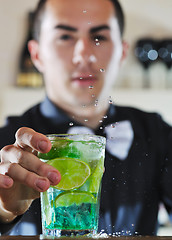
(120, 15)
(37, 19)
(40, 10)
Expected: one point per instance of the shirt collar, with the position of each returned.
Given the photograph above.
(50, 110)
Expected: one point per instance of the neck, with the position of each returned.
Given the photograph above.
(89, 116)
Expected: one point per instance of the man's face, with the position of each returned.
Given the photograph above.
(80, 50)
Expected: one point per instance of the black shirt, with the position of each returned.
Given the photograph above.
(138, 166)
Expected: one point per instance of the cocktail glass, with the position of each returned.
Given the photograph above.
(72, 207)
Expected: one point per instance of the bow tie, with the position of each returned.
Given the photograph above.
(119, 137)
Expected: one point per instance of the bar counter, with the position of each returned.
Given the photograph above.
(80, 238)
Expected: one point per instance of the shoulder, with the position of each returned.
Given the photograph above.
(24, 118)
(12, 123)
(136, 113)
(142, 120)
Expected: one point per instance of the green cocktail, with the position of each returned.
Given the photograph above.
(72, 207)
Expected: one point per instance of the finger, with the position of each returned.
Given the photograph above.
(28, 138)
(21, 175)
(30, 162)
(5, 181)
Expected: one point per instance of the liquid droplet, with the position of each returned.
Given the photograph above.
(96, 103)
(84, 11)
(97, 44)
(101, 127)
(101, 121)
(90, 87)
(102, 70)
(86, 120)
(113, 125)
(105, 116)
(71, 124)
(110, 101)
(93, 95)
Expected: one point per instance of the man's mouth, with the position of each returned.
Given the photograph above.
(84, 81)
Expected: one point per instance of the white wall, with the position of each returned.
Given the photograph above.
(13, 27)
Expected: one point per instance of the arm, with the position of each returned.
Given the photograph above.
(22, 175)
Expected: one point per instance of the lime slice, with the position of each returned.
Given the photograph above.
(68, 199)
(74, 172)
(96, 176)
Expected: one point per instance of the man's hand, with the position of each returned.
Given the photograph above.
(22, 175)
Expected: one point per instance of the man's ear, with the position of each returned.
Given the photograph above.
(33, 47)
(125, 48)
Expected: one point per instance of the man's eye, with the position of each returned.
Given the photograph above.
(65, 37)
(99, 38)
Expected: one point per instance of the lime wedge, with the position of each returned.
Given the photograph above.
(74, 172)
(68, 199)
(96, 176)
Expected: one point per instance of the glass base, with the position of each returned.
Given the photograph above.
(50, 234)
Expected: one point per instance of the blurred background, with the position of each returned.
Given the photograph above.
(145, 79)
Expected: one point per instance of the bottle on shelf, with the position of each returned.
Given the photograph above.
(28, 76)
(146, 53)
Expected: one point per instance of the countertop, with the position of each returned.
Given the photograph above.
(80, 238)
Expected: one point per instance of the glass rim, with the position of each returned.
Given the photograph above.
(53, 135)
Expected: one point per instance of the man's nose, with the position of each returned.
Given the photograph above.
(83, 52)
